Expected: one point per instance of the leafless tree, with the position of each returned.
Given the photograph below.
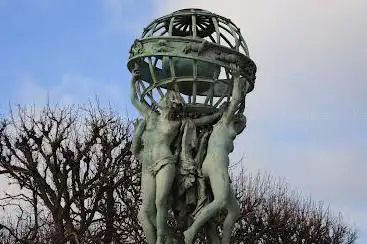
(271, 213)
(79, 183)
(73, 160)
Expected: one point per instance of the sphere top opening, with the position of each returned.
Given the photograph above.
(198, 23)
(191, 10)
(190, 51)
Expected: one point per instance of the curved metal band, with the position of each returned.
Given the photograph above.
(193, 49)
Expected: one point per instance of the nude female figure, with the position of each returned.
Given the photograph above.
(158, 163)
(215, 165)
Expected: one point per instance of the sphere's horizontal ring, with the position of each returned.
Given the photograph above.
(160, 79)
(169, 84)
(176, 41)
(194, 49)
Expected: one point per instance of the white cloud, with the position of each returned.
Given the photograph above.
(72, 88)
(297, 44)
(310, 58)
(307, 115)
(125, 16)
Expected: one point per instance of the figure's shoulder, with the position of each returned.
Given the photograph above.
(176, 123)
(152, 114)
(219, 126)
(221, 122)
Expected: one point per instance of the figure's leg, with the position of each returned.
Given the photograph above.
(147, 212)
(212, 232)
(164, 181)
(202, 195)
(219, 182)
(232, 216)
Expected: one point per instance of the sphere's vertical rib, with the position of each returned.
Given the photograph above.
(219, 100)
(227, 41)
(195, 69)
(217, 31)
(160, 91)
(209, 96)
(145, 32)
(216, 74)
(173, 74)
(244, 45)
(163, 33)
(153, 75)
(194, 28)
(138, 91)
(172, 68)
(227, 74)
(194, 92)
(157, 29)
(212, 39)
(148, 94)
(171, 26)
(223, 94)
(212, 94)
(155, 61)
(153, 29)
(194, 82)
(142, 98)
(230, 83)
(223, 27)
(152, 71)
(234, 34)
(215, 78)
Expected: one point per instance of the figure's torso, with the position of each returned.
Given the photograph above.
(158, 137)
(220, 145)
(222, 137)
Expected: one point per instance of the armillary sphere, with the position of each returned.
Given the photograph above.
(190, 51)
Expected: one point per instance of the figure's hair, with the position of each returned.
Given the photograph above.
(170, 97)
(239, 117)
(239, 120)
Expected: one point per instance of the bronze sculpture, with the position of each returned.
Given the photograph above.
(191, 71)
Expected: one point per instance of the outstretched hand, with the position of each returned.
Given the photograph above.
(235, 70)
(223, 106)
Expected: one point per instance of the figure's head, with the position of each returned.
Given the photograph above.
(171, 100)
(239, 123)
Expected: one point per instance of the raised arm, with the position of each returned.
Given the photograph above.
(208, 119)
(137, 143)
(141, 107)
(199, 157)
(239, 85)
(189, 139)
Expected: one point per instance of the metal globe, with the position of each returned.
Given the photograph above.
(190, 51)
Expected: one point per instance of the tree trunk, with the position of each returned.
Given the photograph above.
(110, 205)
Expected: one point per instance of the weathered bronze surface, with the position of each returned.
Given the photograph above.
(191, 71)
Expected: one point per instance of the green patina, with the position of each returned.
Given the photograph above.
(191, 72)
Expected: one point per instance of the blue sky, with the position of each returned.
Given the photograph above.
(307, 117)
(67, 49)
